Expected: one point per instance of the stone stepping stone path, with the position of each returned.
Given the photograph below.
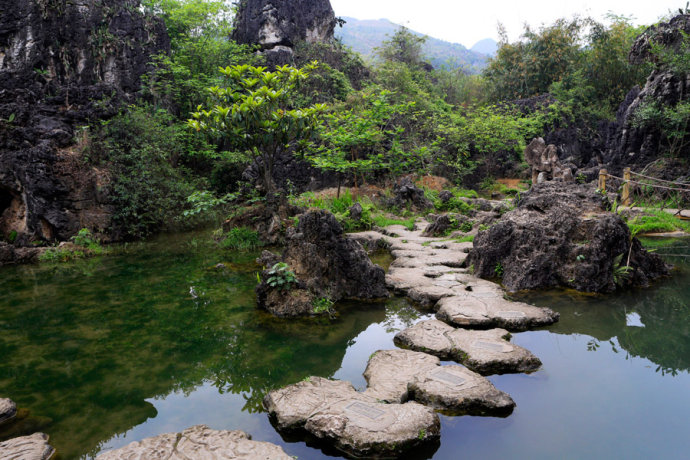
(356, 423)
(34, 447)
(486, 352)
(428, 271)
(404, 387)
(396, 376)
(198, 443)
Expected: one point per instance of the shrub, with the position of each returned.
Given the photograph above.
(281, 277)
(241, 239)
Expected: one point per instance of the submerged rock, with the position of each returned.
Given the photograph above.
(34, 447)
(563, 235)
(8, 410)
(354, 422)
(327, 264)
(198, 442)
(486, 352)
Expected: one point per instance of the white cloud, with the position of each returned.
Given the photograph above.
(467, 22)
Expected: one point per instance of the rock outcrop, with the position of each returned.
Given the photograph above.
(407, 195)
(327, 264)
(276, 26)
(61, 66)
(563, 235)
(34, 447)
(198, 442)
(545, 163)
(631, 145)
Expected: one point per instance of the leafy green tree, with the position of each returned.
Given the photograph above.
(364, 139)
(404, 47)
(253, 113)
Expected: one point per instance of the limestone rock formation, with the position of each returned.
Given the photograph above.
(545, 163)
(563, 235)
(198, 442)
(407, 194)
(355, 423)
(61, 65)
(326, 263)
(34, 447)
(640, 146)
(278, 25)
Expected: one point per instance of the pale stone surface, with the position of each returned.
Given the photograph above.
(354, 422)
(399, 375)
(34, 447)
(457, 389)
(389, 372)
(486, 352)
(430, 273)
(8, 410)
(198, 443)
(484, 306)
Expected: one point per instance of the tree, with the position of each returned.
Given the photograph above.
(403, 47)
(253, 113)
(365, 139)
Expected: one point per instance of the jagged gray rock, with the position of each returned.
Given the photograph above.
(486, 352)
(354, 422)
(562, 235)
(198, 442)
(34, 447)
(544, 161)
(277, 26)
(327, 264)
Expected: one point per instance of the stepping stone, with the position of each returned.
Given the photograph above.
(399, 375)
(8, 410)
(457, 390)
(484, 306)
(485, 352)
(389, 372)
(198, 442)
(34, 447)
(354, 422)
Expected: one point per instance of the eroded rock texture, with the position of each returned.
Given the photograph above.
(34, 447)
(640, 146)
(8, 410)
(327, 264)
(198, 442)
(563, 235)
(63, 64)
(278, 25)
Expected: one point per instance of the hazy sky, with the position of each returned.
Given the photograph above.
(466, 22)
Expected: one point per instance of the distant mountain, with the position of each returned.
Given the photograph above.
(488, 46)
(365, 35)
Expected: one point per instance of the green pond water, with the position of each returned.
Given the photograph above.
(110, 350)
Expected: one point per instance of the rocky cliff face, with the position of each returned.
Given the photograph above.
(63, 65)
(278, 25)
(640, 146)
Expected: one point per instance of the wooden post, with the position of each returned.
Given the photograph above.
(625, 196)
(602, 179)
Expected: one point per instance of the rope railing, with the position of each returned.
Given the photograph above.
(628, 186)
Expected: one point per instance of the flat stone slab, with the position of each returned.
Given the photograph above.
(34, 447)
(486, 352)
(484, 306)
(8, 410)
(400, 375)
(198, 443)
(354, 422)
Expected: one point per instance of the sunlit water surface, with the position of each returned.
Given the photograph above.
(107, 351)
